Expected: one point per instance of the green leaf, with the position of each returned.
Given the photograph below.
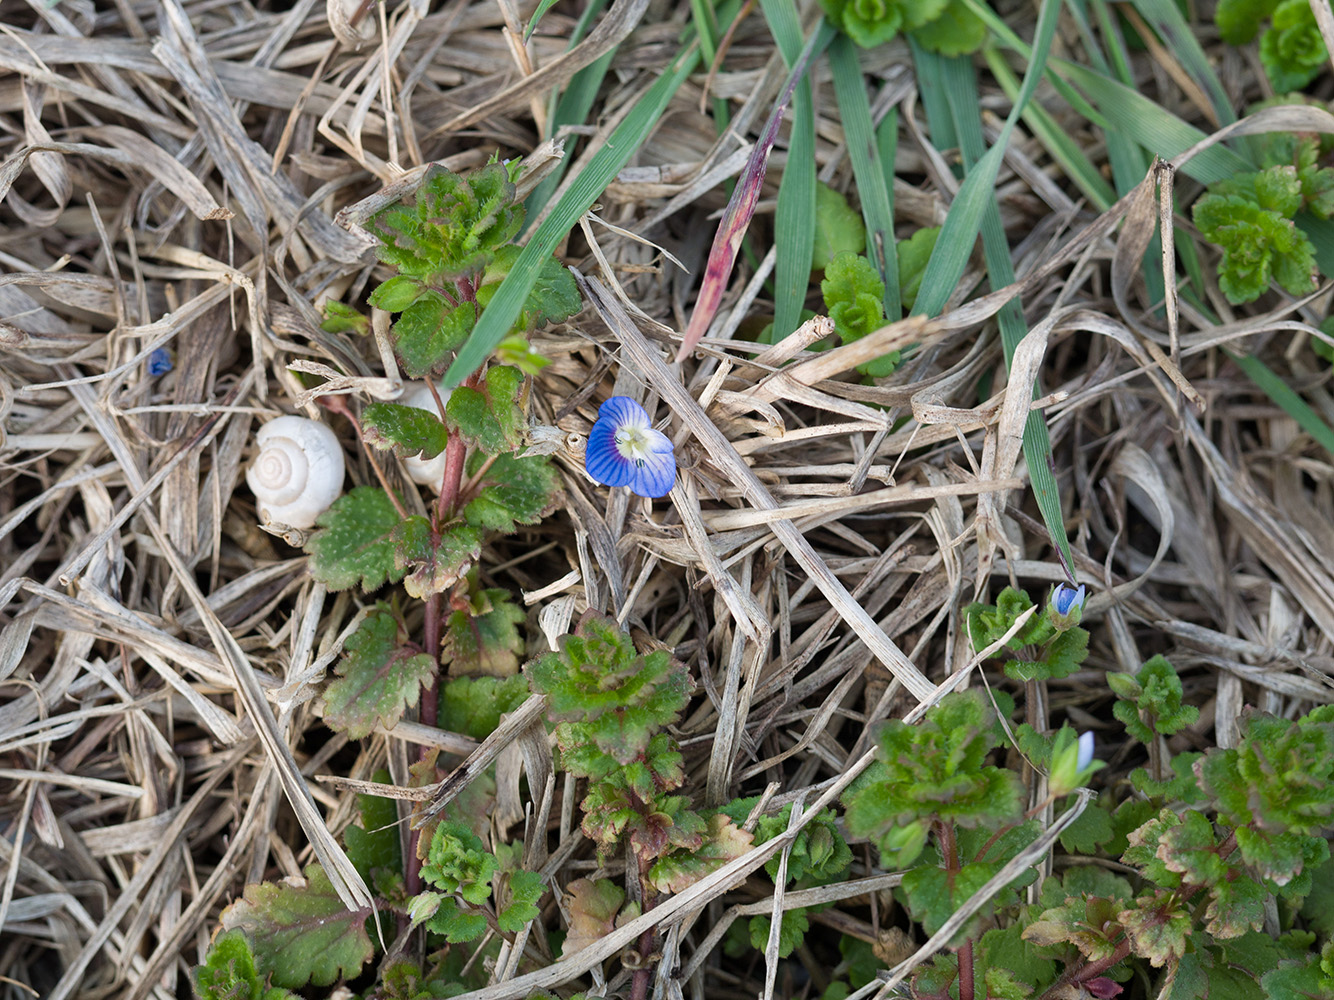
(516, 490)
(1092, 828)
(340, 318)
(553, 298)
(409, 431)
(428, 330)
(522, 890)
(1157, 927)
(379, 677)
(1292, 51)
(510, 299)
(396, 294)
(229, 973)
(934, 894)
(456, 923)
(482, 638)
(301, 931)
(854, 297)
(680, 870)
(489, 417)
(597, 671)
(437, 560)
(790, 935)
(1239, 20)
(956, 32)
(473, 705)
(913, 255)
(1258, 245)
(1154, 703)
(354, 544)
(1005, 948)
(375, 844)
(838, 229)
(928, 772)
(457, 862)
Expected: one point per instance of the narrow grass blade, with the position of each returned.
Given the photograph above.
(1165, 18)
(976, 209)
(1157, 130)
(794, 216)
(864, 153)
(504, 309)
(741, 206)
(964, 220)
(1063, 149)
(542, 8)
(1286, 398)
(572, 108)
(887, 142)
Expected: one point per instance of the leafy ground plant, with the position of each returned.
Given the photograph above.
(449, 248)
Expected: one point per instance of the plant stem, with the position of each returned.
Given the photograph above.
(966, 985)
(455, 453)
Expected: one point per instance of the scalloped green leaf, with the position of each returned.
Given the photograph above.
(483, 638)
(488, 417)
(354, 544)
(429, 331)
(473, 705)
(379, 677)
(301, 931)
(407, 430)
(435, 561)
(516, 490)
(229, 973)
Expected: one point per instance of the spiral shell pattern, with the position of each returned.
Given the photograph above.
(297, 472)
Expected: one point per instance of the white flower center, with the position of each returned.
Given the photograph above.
(633, 444)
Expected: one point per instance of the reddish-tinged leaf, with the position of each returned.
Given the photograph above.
(740, 208)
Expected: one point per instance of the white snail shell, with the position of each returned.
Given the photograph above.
(297, 473)
(427, 471)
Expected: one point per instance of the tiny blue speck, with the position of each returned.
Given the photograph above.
(159, 362)
(624, 450)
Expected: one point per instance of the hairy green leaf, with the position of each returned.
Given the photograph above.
(838, 229)
(301, 931)
(515, 490)
(354, 544)
(489, 416)
(229, 973)
(473, 705)
(408, 430)
(379, 676)
(482, 637)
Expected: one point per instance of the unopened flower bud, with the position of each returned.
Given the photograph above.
(1066, 606)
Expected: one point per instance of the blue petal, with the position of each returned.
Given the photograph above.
(656, 476)
(602, 459)
(622, 411)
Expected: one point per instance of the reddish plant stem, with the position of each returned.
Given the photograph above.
(644, 974)
(455, 453)
(949, 850)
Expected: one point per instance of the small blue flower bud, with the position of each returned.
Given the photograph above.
(1066, 606)
(159, 362)
(1085, 750)
(1072, 762)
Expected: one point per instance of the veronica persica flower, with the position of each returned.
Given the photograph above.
(625, 450)
(1066, 606)
(1072, 761)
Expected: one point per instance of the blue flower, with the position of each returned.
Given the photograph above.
(1065, 598)
(1066, 607)
(1085, 756)
(159, 362)
(625, 450)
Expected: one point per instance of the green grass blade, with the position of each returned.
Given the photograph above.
(542, 8)
(794, 216)
(1178, 38)
(964, 220)
(504, 309)
(980, 210)
(1058, 143)
(572, 108)
(1283, 395)
(854, 110)
(887, 142)
(1159, 131)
